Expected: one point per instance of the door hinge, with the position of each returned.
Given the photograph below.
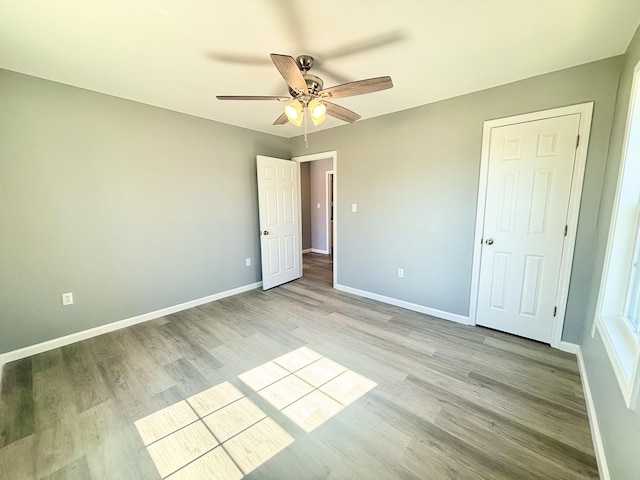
(566, 229)
(555, 310)
(578, 141)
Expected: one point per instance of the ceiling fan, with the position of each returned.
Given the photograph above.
(308, 92)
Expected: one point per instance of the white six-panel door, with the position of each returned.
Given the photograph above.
(278, 201)
(529, 185)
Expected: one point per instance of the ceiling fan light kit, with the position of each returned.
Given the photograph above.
(308, 93)
(318, 112)
(294, 112)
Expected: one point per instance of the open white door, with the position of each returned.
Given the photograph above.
(278, 203)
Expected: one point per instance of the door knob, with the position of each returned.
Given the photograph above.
(488, 241)
(266, 232)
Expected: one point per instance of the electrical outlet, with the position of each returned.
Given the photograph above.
(401, 273)
(317, 205)
(354, 207)
(67, 299)
(247, 262)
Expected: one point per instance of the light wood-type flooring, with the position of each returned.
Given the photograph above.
(299, 382)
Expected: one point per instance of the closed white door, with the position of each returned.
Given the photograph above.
(529, 184)
(278, 202)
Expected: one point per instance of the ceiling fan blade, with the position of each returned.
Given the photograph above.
(240, 59)
(364, 45)
(358, 88)
(253, 97)
(292, 21)
(289, 70)
(341, 112)
(318, 67)
(281, 120)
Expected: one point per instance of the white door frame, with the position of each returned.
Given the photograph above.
(586, 111)
(328, 209)
(320, 156)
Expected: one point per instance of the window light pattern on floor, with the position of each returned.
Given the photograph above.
(218, 434)
(307, 387)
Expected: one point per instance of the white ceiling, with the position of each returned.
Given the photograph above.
(175, 53)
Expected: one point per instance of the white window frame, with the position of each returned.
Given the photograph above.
(620, 337)
(633, 300)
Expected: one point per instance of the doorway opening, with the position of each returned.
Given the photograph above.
(318, 179)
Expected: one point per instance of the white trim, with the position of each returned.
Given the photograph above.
(307, 250)
(110, 327)
(623, 349)
(317, 250)
(477, 236)
(598, 445)
(621, 343)
(315, 156)
(327, 212)
(569, 347)
(584, 129)
(454, 317)
(320, 156)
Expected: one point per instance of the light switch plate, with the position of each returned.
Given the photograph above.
(354, 207)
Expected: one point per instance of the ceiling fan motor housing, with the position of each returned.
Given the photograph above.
(305, 62)
(314, 85)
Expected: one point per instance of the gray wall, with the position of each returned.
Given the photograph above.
(619, 426)
(305, 204)
(318, 195)
(130, 207)
(414, 175)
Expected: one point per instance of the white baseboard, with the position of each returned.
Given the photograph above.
(307, 250)
(110, 327)
(454, 317)
(317, 250)
(598, 446)
(569, 347)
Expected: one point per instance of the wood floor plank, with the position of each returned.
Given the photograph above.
(450, 401)
(542, 353)
(126, 390)
(76, 470)
(53, 392)
(16, 459)
(527, 378)
(538, 455)
(16, 403)
(113, 449)
(88, 385)
(152, 340)
(54, 448)
(566, 428)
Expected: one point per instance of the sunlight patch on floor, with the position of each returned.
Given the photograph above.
(220, 434)
(307, 387)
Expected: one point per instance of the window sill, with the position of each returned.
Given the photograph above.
(623, 347)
